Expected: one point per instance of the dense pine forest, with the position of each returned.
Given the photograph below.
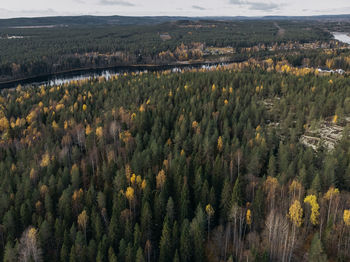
(194, 166)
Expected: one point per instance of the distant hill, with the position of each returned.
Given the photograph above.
(85, 20)
(132, 20)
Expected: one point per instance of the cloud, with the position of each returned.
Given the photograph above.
(263, 6)
(198, 7)
(6, 13)
(236, 2)
(116, 2)
(252, 5)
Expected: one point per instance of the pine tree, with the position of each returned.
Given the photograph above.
(111, 255)
(10, 253)
(316, 183)
(139, 255)
(176, 257)
(64, 254)
(72, 255)
(198, 240)
(185, 242)
(225, 202)
(129, 253)
(272, 166)
(258, 207)
(316, 253)
(165, 245)
(237, 194)
(175, 235)
(146, 222)
(184, 201)
(122, 250)
(170, 210)
(198, 185)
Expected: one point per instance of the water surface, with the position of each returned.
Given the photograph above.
(342, 37)
(62, 78)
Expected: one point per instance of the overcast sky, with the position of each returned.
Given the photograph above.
(29, 8)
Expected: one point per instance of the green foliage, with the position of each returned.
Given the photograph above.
(147, 174)
(316, 252)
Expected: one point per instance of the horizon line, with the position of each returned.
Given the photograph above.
(176, 16)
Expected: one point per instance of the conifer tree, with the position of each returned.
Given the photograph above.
(165, 244)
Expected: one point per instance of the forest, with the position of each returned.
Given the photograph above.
(80, 43)
(202, 165)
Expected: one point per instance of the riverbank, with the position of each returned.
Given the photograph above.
(97, 71)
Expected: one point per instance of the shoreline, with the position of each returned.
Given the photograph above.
(343, 37)
(130, 66)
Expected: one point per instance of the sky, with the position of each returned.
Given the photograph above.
(32, 8)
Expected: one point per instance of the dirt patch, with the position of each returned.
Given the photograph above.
(219, 50)
(165, 36)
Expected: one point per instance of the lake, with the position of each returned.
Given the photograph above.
(342, 37)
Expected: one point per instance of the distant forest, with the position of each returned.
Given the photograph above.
(49, 45)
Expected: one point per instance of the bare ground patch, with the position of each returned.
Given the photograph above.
(327, 134)
(165, 36)
(281, 31)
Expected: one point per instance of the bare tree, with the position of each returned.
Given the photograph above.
(237, 217)
(278, 236)
(29, 247)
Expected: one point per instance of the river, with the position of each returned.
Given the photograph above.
(62, 78)
(342, 37)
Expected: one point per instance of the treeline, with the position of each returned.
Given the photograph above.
(174, 167)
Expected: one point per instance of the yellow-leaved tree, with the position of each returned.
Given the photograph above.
(296, 213)
(335, 119)
(160, 179)
(130, 195)
(4, 124)
(346, 217)
(138, 180)
(133, 179)
(296, 216)
(331, 195)
(210, 212)
(82, 222)
(45, 161)
(88, 130)
(99, 132)
(142, 108)
(315, 213)
(295, 189)
(144, 184)
(194, 124)
(220, 143)
(249, 217)
(54, 125)
(329, 63)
